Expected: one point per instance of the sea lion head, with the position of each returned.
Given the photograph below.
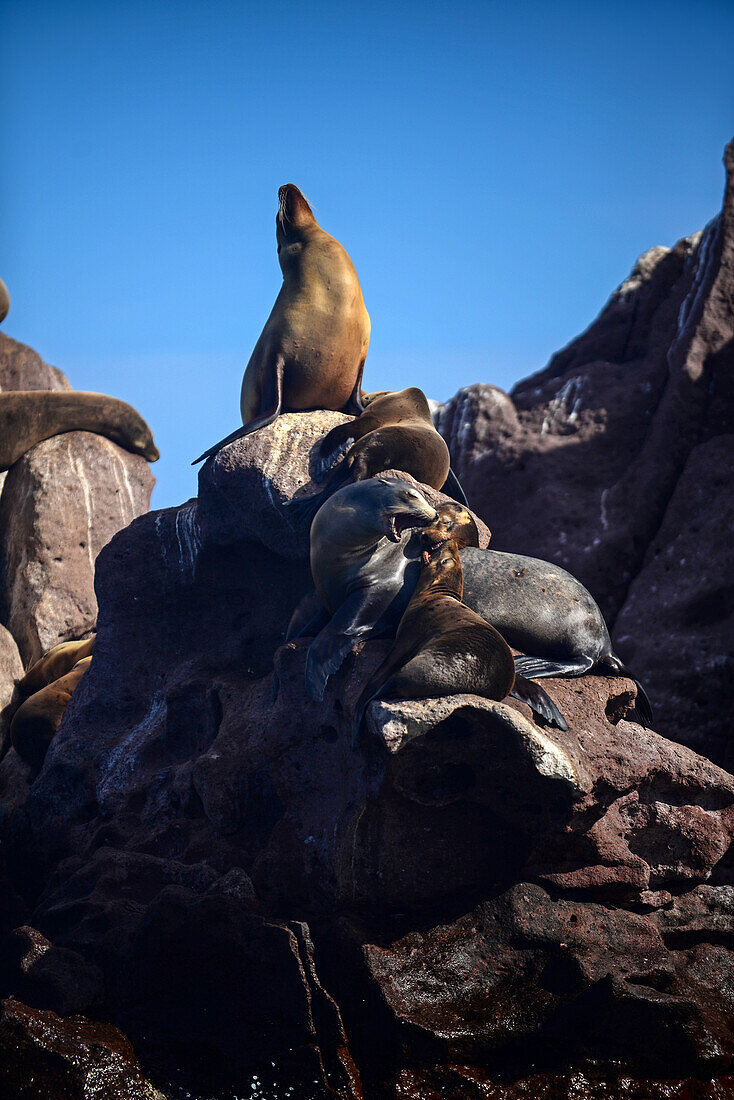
(4, 301)
(132, 433)
(441, 571)
(373, 508)
(454, 522)
(294, 219)
(399, 506)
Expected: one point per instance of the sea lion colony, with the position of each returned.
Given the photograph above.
(398, 567)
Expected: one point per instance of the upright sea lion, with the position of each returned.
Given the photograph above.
(4, 301)
(352, 536)
(27, 417)
(442, 647)
(54, 664)
(538, 608)
(311, 353)
(35, 722)
(395, 432)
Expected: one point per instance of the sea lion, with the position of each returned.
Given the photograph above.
(395, 432)
(442, 647)
(36, 721)
(27, 417)
(352, 536)
(4, 301)
(311, 353)
(54, 664)
(538, 608)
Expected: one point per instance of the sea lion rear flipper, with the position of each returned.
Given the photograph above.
(272, 402)
(537, 668)
(539, 702)
(353, 621)
(609, 662)
(452, 488)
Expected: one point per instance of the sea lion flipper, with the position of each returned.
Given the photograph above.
(539, 702)
(353, 621)
(452, 488)
(271, 404)
(537, 668)
(355, 404)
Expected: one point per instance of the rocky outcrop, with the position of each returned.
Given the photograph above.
(616, 463)
(59, 505)
(11, 669)
(462, 895)
(46, 1057)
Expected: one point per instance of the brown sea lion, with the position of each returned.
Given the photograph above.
(395, 432)
(27, 417)
(54, 664)
(442, 647)
(35, 722)
(311, 353)
(4, 301)
(537, 606)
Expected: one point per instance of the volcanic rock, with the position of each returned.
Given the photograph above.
(607, 447)
(11, 669)
(45, 1057)
(61, 503)
(461, 889)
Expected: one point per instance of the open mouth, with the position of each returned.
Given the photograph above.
(433, 542)
(403, 521)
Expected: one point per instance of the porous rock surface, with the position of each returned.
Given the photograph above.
(460, 899)
(617, 462)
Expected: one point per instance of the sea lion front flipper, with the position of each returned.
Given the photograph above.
(271, 404)
(539, 702)
(537, 668)
(452, 488)
(352, 622)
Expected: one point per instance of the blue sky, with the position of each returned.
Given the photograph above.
(493, 169)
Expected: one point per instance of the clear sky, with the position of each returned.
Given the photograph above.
(493, 169)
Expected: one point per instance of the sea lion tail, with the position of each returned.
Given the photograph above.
(609, 662)
(539, 702)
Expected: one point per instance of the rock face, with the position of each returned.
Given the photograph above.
(59, 505)
(622, 451)
(461, 896)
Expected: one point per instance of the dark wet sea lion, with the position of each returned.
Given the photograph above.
(442, 647)
(36, 721)
(538, 608)
(311, 353)
(55, 664)
(395, 432)
(352, 536)
(27, 417)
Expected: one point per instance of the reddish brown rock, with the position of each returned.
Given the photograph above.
(11, 669)
(588, 462)
(61, 503)
(45, 1057)
(21, 368)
